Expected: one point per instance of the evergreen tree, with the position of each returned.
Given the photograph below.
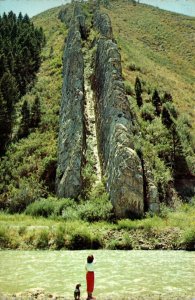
(35, 113)
(25, 121)
(167, 97)
(5, 125)
(138, 92)
(156, 101)
(166, 117)
(9, 90)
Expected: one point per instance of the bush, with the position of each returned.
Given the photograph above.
(188, 240)
(20, 197)
(147, 112)
(124, 244)
(48, 207)
(42, 239)
(128, 89)
(96, 210)
(59, 239)
(4, 238)
(80, 240)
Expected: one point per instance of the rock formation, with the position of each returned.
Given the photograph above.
(71, 141)
(120, 164)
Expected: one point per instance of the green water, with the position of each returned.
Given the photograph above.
(117, 273)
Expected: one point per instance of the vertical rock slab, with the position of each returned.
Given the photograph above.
(119, 162)
(71, 142)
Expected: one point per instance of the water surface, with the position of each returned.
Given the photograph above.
(118, 273)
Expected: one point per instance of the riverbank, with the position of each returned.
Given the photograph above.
(173, 230)
(41, 294)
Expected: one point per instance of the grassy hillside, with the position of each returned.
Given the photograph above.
(158, 46)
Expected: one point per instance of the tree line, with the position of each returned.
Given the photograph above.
(20, 58)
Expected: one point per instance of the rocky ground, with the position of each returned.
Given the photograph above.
(41, 294)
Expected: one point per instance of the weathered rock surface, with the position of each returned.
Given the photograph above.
(71, 141)
(102, 23)
(120, 163)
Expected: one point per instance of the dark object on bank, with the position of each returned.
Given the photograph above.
(77, 292)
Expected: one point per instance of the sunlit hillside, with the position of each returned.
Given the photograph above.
(159, 47)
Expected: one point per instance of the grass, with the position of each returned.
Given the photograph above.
(176, 229)
(160, 47)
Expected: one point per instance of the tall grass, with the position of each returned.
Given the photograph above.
(174, 230)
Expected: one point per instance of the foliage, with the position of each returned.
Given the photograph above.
(20, 48)
(148, 38)
(138, 91)
(4, 237)
(42, 239)
(32, 160)
(188, 239)
(21, 231)
(49, 207)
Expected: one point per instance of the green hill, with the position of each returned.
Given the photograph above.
(156, 46)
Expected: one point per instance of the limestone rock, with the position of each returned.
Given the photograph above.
(71, 133)
(120, 163)
(103, 24)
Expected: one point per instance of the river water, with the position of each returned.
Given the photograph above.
(118, 273)
(33, 7)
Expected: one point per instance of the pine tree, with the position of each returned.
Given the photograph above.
(35, 113)
(9, 90)
(167, 97)
(25, 121)
(5, 125)
(138, 92)
(166, 117)
(156, 101)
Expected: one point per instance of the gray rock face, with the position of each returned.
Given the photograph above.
(103, 24)
(72, 130)
(120, 163)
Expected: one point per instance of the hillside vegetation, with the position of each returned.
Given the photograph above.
(158, 46)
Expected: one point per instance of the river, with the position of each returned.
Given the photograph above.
(33, 7)
(118, 273)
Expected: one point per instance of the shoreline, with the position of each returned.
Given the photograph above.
(41, 294)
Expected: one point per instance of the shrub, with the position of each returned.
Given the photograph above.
(49, 207)
(147, 112)
(42, 239)
(20, 197)
(96, 210)
(80, 240)
(188, 239)
(59, 238)
(70, 214)
(128, 89)
(4, 238)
